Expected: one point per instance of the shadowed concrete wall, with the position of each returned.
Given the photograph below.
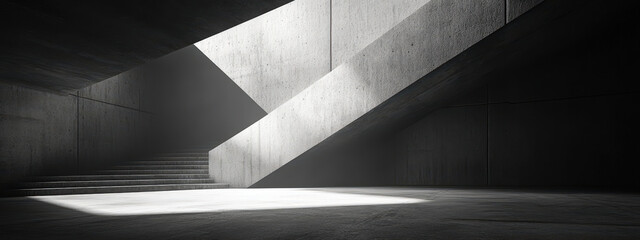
(516, 8)
(354, 25)
(38, 133)
(112, 122)
(64, 46)
(179, 101)
(275, 56)
(404, 54)
(195, 104)
(562, 118)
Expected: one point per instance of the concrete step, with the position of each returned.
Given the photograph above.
(98, 183)
(160, 167)
(121, 177)
(185, 154)
(154, 171)
(166, 162)
(166, 158)
(117, 189)
(190, 150)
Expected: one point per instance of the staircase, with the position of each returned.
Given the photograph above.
(164, 172)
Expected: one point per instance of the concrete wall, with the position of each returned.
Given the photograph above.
(276, 55)
(357, 23)
(195, 104)
(38, 133)
(362, 162)
(401, 56)
(45, 133)
(112, 122)
(179, 101)
(446, 148)
(65, 46)
(562, 118)
(515, 8)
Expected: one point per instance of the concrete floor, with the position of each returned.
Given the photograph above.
(325, 213)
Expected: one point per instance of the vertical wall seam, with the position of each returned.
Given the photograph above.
(488, 107)
(77, 133)
(505, 12)
(330, 35)
(488, 149)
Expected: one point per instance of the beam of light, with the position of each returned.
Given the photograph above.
(214, 200)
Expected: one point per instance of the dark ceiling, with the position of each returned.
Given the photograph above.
(66, 45)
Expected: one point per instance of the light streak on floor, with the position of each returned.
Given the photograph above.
(215, 200)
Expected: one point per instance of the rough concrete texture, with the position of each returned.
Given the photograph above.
(112, 126)
(123, 89)
(346, 213)
(561, 114)
(287, 58)
(516, 8)
(276, 55)
(356, 24)
(37, 133)
(195, 104)
(448, 147)
(434, 34)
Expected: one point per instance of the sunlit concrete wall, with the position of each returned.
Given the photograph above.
(426, 39)
(49, 133)
(275, 56)
(516, 8)
(357, 23)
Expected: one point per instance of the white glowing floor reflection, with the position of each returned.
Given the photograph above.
(215, 200)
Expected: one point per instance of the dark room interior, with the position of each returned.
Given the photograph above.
(319, 119)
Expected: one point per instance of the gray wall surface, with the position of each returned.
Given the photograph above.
(38, 133)
(431, 36)
(448, 147)
(344, 163)
(516, 8)
(195, 104)
(276, 55)
(64, 46)
(564, 118)
(179, 101)
(112, 123)
(45, 133)
(357, 23)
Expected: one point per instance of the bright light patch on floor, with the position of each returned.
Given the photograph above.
(215, 200)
